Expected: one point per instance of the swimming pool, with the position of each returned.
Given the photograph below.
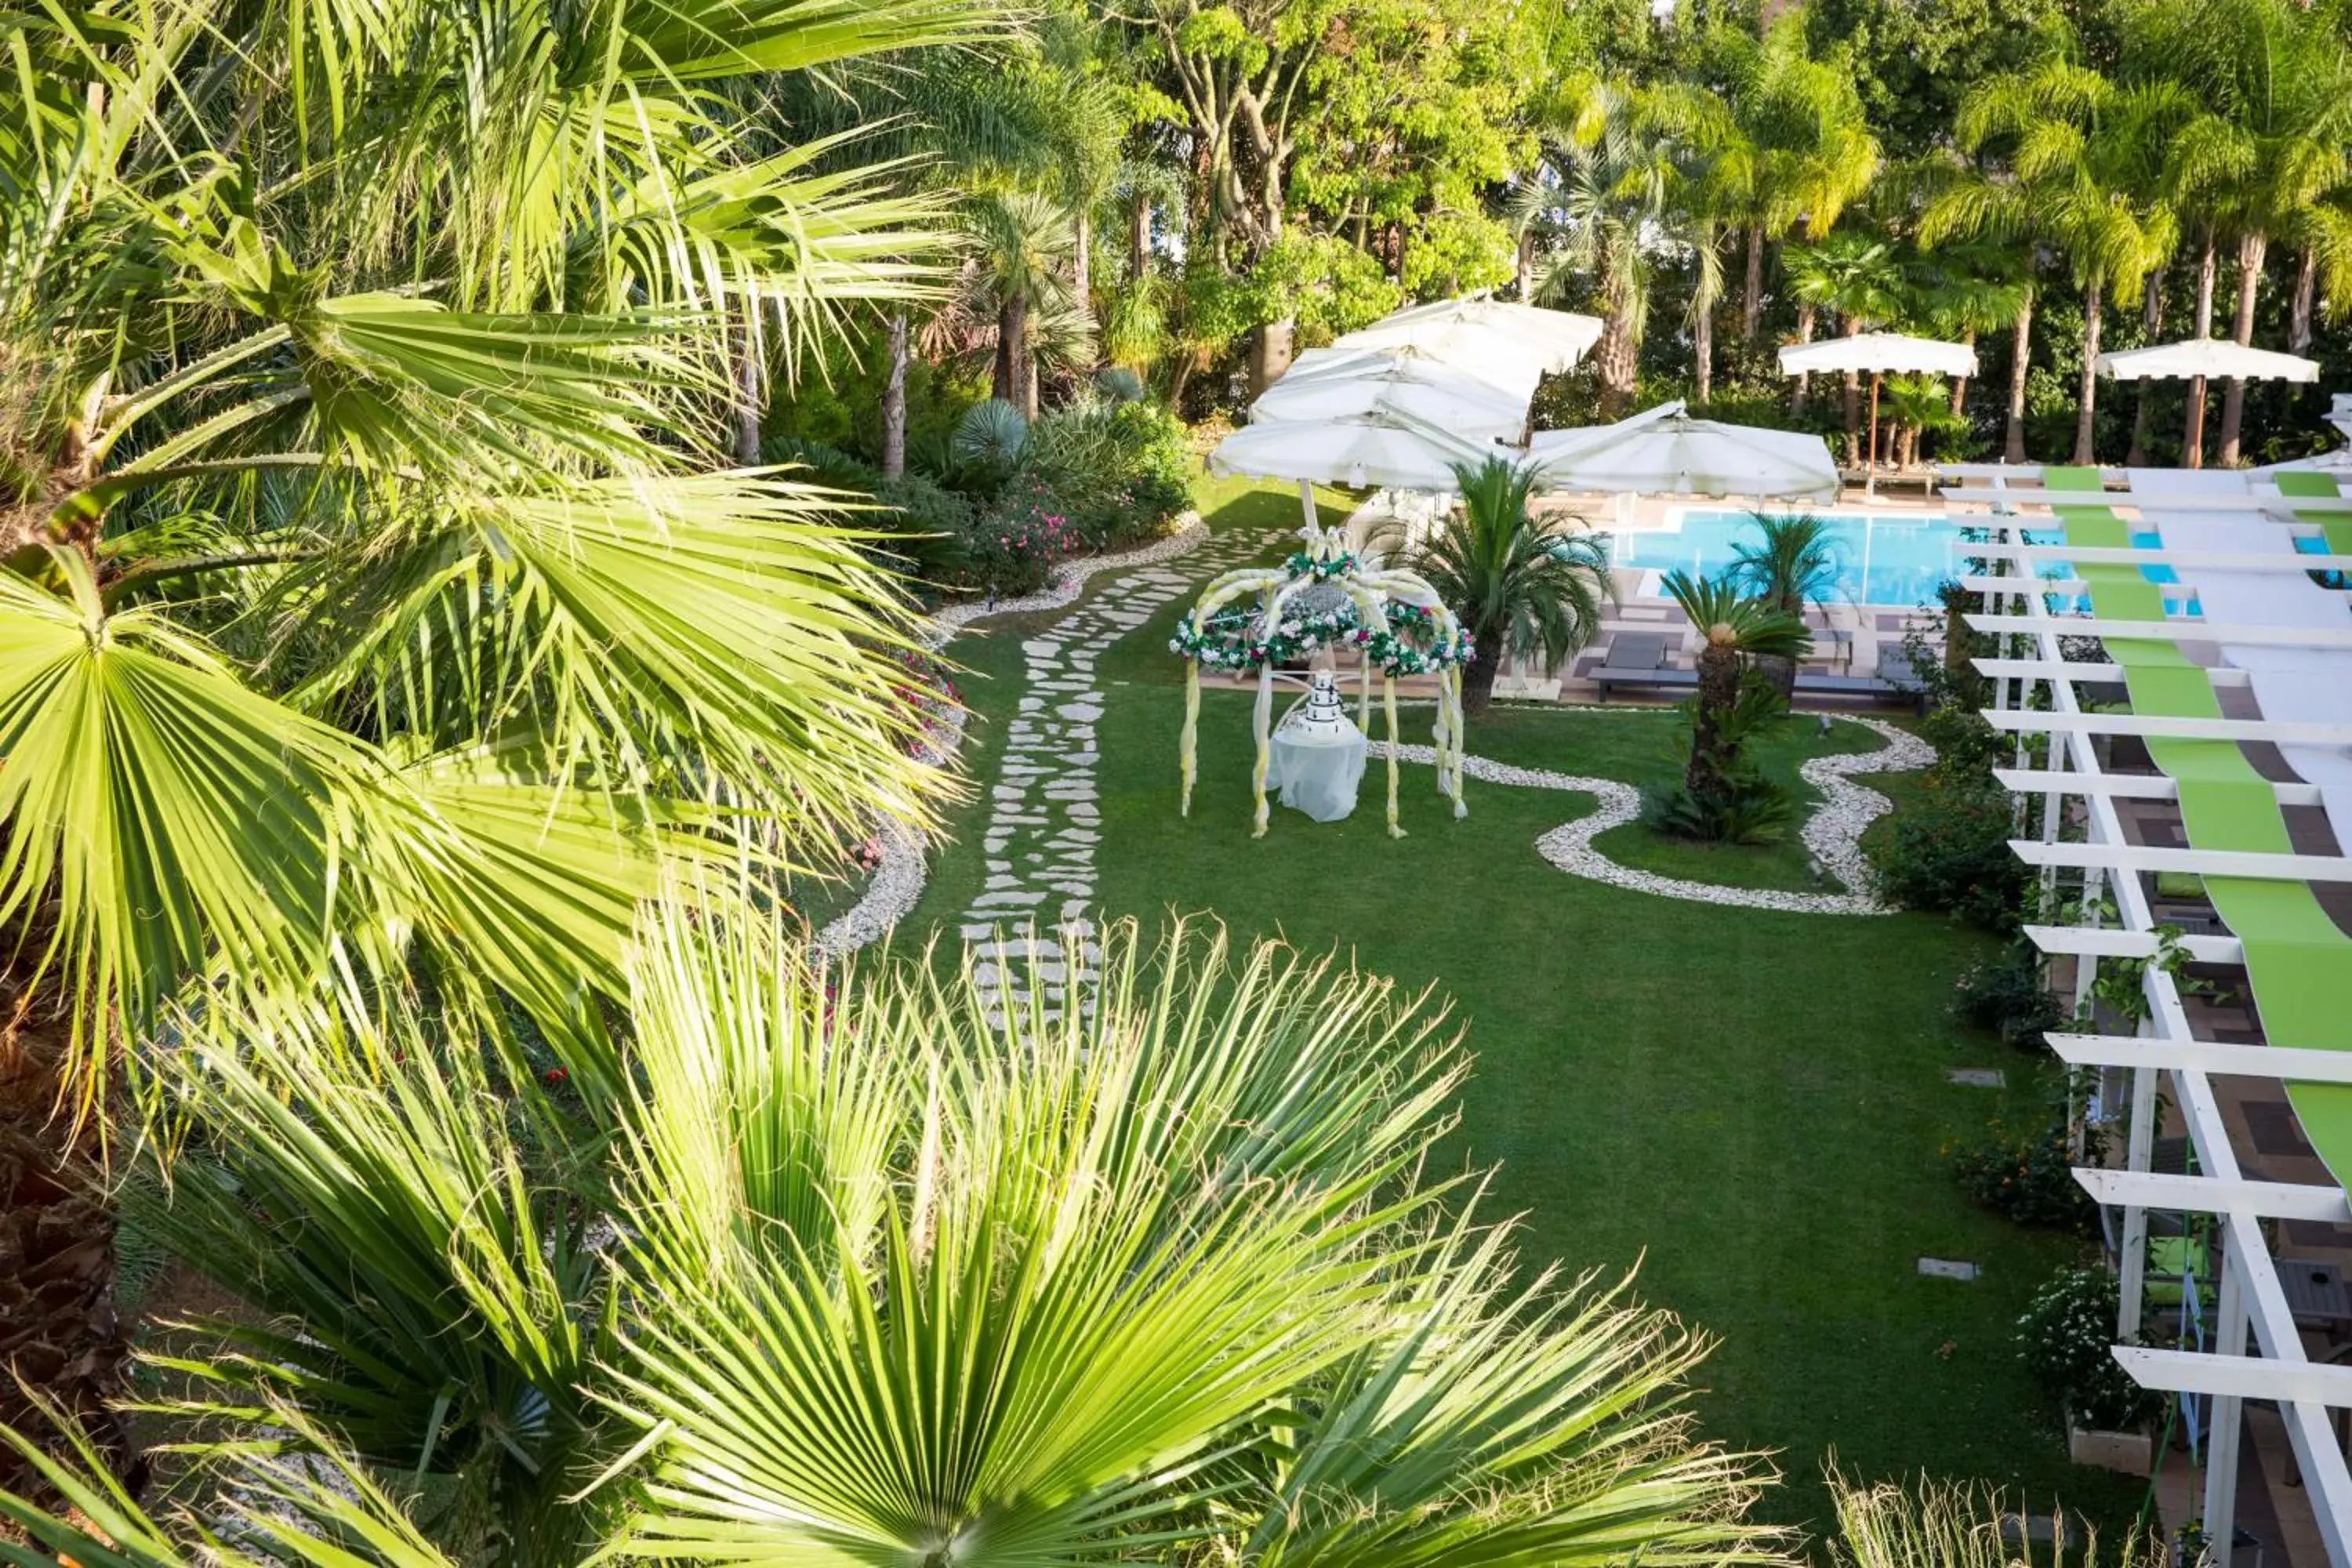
(1892, 559)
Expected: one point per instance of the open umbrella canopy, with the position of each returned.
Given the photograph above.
(1349, 386)
(1381, 447)
(1483, 335)
(1891, 354)
(2215, 359)
(1517, 377)
(1665, 450)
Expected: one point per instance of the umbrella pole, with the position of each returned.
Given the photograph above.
(1870, 473)
(1307, 503)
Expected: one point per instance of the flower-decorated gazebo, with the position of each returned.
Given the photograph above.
(1322, 599)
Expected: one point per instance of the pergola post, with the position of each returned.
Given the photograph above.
(2225, 1419)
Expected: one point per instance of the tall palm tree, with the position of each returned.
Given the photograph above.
(1860, 280)
(1792, 562)
(1736, 630)
(2266, 148)
(853, 1270)
(2084, 158)
(374, 601)
(1804, 145)
(1619, 177)
(1520, 583)
(1022, 244)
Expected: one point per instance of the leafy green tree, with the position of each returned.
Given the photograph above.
(1021, 245)
(1520, 583)
(850, 1270)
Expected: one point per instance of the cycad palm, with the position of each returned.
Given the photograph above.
(900, 1285)
(1520, 583)
(1735, 629)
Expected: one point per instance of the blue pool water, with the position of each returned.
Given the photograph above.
(1883, 558)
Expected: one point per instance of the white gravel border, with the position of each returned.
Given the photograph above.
(1833, 832)
(897, 880)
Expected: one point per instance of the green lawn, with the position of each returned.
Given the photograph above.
(1751, 1106)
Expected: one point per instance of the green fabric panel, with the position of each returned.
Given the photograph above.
(2070, 478)
(2335, 525)
(2305, 482)
(2298, 963)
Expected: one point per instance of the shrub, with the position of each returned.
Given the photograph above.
(2064, 1337)
(1116, 471)
(2029, 1178)
(932, 527)
(1015, 544)
(2006, 995)
(1751, 809)
(1949, 851)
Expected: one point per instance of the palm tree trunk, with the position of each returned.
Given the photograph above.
(1029, 387)
(2192, 437)
(748, 409)
(2151, 321)
(2306, 292)
(1523, 268)
(1009, 381)
(1703, 353)
(1613, 359)
(1852, 401)
(1270, 353)
(2233, 396)
(1139, 239)
(1960, 383)
(1082, 270)
(1181, 376)
(894, 401)
(1751, 303)
(2085, 415)
(2020, 361)
(1478, 677)
(1805, 380)
(1718, 689)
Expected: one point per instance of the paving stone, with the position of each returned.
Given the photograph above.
(1979, 1077)
(1946, 1269)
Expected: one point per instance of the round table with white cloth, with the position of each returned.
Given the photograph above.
(1319, 769)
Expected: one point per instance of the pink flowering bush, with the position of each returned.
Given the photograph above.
(1016, 543)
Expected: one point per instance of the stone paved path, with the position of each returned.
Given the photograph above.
(1045, 823)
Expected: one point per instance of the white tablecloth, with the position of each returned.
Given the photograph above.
(1318, 771)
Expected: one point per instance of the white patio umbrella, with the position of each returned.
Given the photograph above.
(1381, 447)
(1517, 377)
(2216, 359)
(1428, 390)
(1666, 450)
(1878, 354)
(1483, 335)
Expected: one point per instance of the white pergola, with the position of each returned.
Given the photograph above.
(2074, 789)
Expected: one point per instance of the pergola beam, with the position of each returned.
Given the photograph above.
(2208, 1194)
(2146, 501)
(2181, 629)
(2077, 586)
(2203, 862)
(2091, 942)
(2238, 1377)
(2304, 1064)
(2128, 786)
(2164, 725)
(2098, 673)
(2122, 555)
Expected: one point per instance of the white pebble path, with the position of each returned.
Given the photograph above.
(1833, 832)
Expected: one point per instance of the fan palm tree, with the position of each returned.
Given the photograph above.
(1022, 243)
(1792, 562)
(1859, 279)
(853, 1270)
(1617, 182)
(369, 605)
(1736, 631)
(1519, 583)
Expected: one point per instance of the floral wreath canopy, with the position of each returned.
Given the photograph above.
(1324, 598)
